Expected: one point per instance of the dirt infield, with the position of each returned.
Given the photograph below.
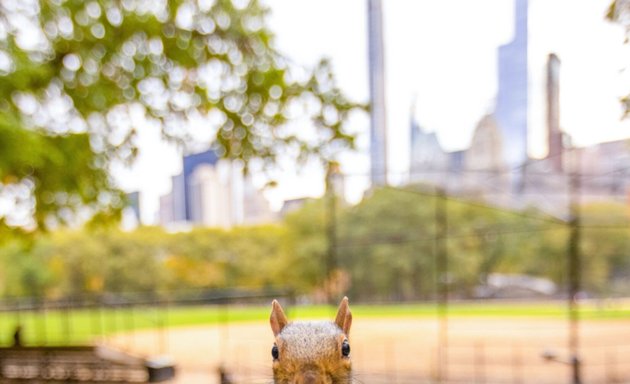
(405, 351)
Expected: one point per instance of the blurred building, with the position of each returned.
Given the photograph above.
(601, 169)
(376, 71)
(486, 147)
(256, 208)
(554, 134)
(192, 164)
(212, 192)
(215, 196)
(479, 169)
(165, 213)
(482, 170)
(173, 205)
(428, 160)
(512, 96)
(499, 141)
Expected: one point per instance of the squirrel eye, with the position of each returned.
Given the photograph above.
(274, 352)
(345, 348)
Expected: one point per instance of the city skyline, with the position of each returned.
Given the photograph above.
(445, 70)
(211, 192)
(483, 172)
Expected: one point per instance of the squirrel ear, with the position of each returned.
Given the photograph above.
(278, 320)
(344, 316)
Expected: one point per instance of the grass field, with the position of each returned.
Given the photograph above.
(58, 327)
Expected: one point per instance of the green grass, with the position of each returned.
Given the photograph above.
(81, 326)
(551, 310)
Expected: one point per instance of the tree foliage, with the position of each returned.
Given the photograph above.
(619, 12)
(385, 251)
(75, 75)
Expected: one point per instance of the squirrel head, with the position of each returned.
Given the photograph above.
(316, 352)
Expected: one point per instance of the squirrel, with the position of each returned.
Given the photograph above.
(315, 352)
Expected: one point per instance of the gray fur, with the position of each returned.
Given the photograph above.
(310, 340)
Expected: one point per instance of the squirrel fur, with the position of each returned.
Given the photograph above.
(315, 352)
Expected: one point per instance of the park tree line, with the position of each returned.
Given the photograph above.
(385, 250)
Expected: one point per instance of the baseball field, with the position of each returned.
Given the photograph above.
(480, 343)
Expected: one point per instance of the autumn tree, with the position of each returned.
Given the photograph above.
(76, 77)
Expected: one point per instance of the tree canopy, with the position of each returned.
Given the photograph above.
(619, 11)
(386, 250)
(73, 73)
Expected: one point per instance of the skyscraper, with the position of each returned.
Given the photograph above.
(512, 97)
(212, 192)
(191, 162)
(378, 131)
(554, 135)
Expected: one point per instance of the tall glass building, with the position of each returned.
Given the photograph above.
(512, 96)
(378, 131)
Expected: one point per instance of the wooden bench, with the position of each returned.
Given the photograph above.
(80, 364)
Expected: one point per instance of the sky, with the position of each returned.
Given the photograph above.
(442, 55)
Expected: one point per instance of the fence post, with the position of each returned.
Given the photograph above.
(43, 338)
(574, 266)
(332, 172)
(441, 264)
(66, 320)
(163, 322)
